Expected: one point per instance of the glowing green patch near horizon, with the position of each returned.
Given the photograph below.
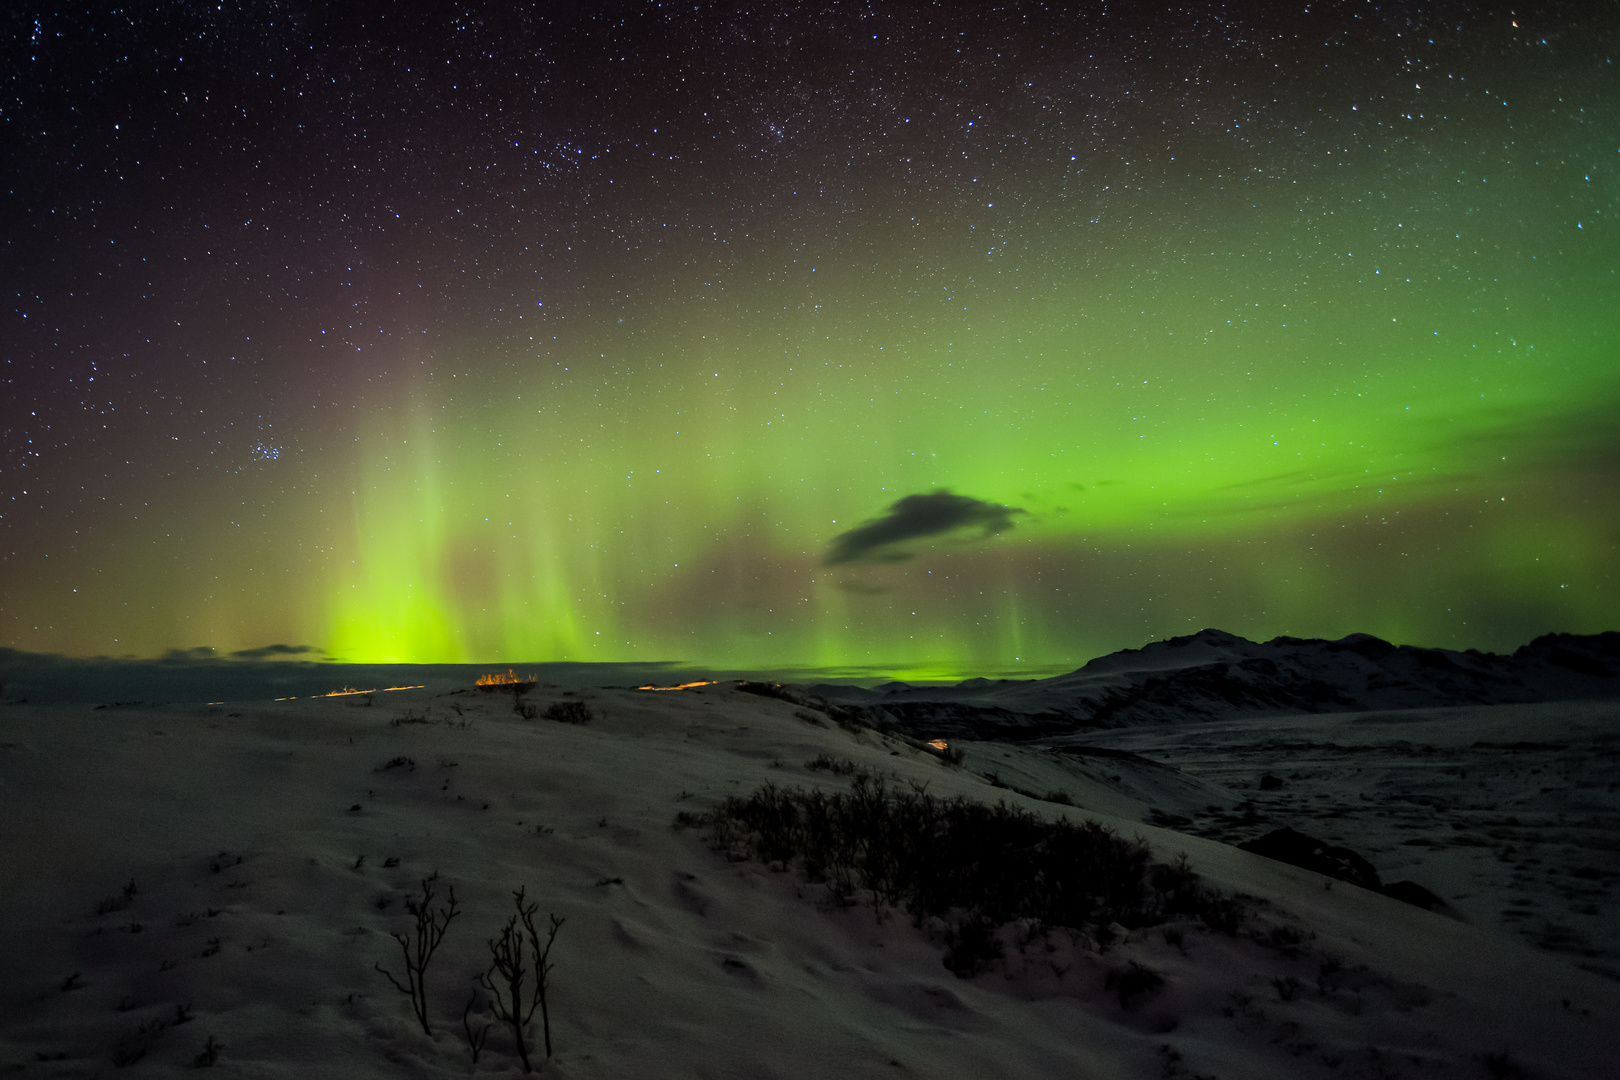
(669, 490)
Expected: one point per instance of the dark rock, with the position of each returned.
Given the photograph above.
(1340, 863)
(1309, 853)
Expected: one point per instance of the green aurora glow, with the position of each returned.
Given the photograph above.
(1373, 390)
(1386, 405)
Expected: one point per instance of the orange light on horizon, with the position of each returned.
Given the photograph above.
(939, 744)
(347, 691)
(506, 678)
(682, 686)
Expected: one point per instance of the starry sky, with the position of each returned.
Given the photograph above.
(941, 339)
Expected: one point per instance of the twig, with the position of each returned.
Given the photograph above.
(475, 1042)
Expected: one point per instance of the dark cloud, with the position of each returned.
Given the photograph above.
(193, 655)
(267, 652)
(914, 517)
(203, 654)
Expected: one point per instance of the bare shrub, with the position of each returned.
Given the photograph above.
(475, 1039)
(119, 902)
(836, 765)
(514, 956)
(210, 1053)
(419, 946)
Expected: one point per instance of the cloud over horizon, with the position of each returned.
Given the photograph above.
(914, 517)
(267, 652)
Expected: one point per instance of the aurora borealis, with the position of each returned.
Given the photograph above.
(624, 332)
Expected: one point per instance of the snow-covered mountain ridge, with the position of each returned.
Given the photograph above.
(1213, 675)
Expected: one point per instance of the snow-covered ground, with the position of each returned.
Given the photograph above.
(187, 873)
(1509, 813)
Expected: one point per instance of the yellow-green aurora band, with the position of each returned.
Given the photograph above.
(1378, 406)
(1281, 322)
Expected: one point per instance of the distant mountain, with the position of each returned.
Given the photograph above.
(1212, 675)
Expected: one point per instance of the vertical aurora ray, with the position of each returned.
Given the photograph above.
(1282, 324)
(1184, 407)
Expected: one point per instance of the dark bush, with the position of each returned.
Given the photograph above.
(1133, 982)
(972, 947)
(996, 863)
(851, 718)
(569, 712)
(836, 765)
(1179, 892)
(686, 819)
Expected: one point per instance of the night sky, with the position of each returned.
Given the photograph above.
(942, 339)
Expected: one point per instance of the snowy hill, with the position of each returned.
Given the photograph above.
(1213, 674)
